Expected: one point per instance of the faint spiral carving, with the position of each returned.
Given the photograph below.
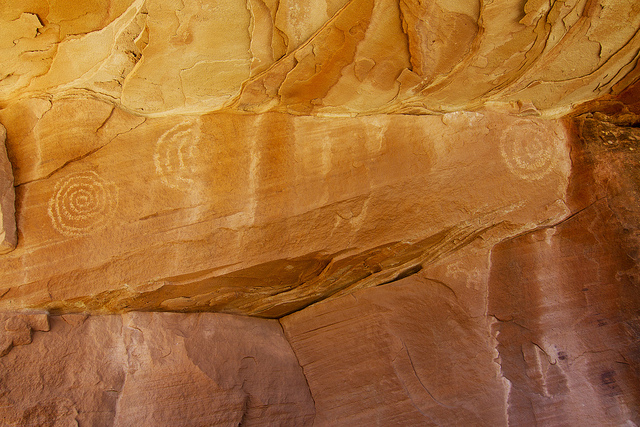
(82, 203)
(528, 150)
(177, 155)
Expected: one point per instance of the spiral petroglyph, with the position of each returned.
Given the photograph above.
(177, 155)
(82, 203)
(528, 150)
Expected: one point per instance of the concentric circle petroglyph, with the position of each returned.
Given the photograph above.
(177, 155)
(82, 203)
(529, 150)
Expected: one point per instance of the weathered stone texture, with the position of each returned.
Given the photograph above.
(8, 231)
(406, 353)
(259, 215)
(154, 369)
(566, 298)
(73, 373)
(327, 56)
(568, 324)
(18, 329)
(431, 209)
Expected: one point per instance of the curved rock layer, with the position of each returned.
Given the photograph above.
(320, 56)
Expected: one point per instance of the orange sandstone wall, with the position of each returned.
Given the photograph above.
(319, 212)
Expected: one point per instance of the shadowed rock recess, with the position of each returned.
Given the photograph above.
(319, 212)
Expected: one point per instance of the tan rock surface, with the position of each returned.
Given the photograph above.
(154, 369)
(388, 179)
(421, 358)
(328, 57)
(259, 214)
(8, 232)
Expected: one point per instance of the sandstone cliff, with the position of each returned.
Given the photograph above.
(328, 212)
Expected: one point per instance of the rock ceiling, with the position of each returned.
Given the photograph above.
(333, 57)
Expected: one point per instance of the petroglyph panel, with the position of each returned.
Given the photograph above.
(177, 155)
(82, 203)
(529, 150)
(212, 195)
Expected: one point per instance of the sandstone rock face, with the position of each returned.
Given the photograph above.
(154, 369)
(560, 302)
(226, 213)
(327, 212)
(567, 308)
(422, 359)
(73, 373)
(325, 56)
(566, 297)
(18, 329)
(8, 232)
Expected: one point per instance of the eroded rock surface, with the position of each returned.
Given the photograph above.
(325, 56)
(390, 180)
(18, 329)
(566, 297)
(422, 358)
(73, 373)
(8, 231)
(155, 369)
(543, 329)
(566, 301)
(263, 214)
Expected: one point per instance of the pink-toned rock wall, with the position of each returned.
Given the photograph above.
(566, 303)
(406, 353)
(567, 298)
(152, 369)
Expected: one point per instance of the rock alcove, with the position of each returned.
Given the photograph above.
(319, 212)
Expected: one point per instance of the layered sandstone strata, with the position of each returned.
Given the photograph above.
(377, 202)
(320, 57)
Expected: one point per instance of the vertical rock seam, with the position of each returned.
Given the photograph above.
(8, 231)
